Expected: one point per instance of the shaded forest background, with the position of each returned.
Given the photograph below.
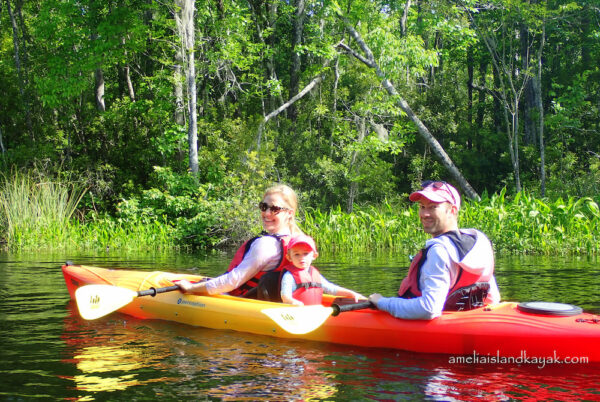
(184, 110)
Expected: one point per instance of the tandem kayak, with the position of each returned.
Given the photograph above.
(504, 332)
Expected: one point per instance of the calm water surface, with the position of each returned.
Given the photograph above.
(49, 352)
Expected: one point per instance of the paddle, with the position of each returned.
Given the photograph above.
(95, 301)
(304, 319)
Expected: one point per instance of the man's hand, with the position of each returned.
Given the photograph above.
(374, 298)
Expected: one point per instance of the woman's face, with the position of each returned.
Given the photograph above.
(276, 222)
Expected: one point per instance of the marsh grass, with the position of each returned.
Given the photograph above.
(115, 234)
(35, 212)
(384, 228)
(524, 224)
(521, 224)
(38, 213)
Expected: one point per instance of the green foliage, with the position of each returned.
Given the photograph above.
(521, 225)
(345, 142)
(390, 227)
(35, 211)
(525, 224)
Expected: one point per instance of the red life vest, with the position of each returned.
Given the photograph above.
(410, 287)
(241, 253)
(309, 287)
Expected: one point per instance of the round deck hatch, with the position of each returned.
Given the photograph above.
(549, 308)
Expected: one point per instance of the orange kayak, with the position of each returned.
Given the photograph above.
(504, 333)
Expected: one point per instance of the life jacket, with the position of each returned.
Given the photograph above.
(309, 287)
(252, 283)
(468, 291)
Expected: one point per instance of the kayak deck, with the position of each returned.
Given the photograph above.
(499, 330)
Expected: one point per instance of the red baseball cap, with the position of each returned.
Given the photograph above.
(437, 191)
(303, 239)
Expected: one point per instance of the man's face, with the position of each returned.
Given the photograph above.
(437, 218)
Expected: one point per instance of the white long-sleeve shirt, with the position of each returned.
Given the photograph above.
(438, 273)
(264, 254)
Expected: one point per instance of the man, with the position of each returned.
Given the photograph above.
(455, 269)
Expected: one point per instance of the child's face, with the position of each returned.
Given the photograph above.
(301, 256)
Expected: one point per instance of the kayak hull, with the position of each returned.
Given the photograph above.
(495, 334)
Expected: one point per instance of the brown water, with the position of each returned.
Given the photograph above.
(49, 352)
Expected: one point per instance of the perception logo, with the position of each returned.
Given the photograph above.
(190, 303)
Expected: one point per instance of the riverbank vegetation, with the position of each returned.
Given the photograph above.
(166, 120)
(43, 214)
(522, 224)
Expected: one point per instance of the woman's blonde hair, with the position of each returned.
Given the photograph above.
(291, 200)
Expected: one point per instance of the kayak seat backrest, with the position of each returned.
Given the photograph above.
(467, 297)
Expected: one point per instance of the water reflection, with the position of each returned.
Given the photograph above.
(109, 355)
(398, 375)
(117, 353)
(112, 353)
(49, 352)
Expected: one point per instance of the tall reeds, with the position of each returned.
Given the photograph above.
(384, 228)
(35, 212)
(521, 224)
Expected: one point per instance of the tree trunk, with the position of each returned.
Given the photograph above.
(529, 104)
(125, 76)
(296, 65)
(2, 142)
(514, 138)
(268, 103)
(508, 93)
(179, 115)
(404, 18)
(187, 8)
(336, 82)
(147, 61)
(129, 83)
(470, 69)
(99, 90)
(538, 95)
(20, 75)
(443, 157)
(355, 163)
(480, 103)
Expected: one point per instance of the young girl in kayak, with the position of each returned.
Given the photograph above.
(260, 255)
(302, 284)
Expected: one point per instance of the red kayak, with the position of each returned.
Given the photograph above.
(523, 333)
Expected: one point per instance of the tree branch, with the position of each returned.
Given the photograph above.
(286, 105)
(369, 60)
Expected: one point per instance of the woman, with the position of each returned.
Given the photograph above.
(260, 255)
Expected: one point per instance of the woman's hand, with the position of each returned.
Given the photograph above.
(195, 288)
(357, 296)
(184, 285)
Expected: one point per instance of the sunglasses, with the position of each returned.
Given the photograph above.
(263, 206)
(440, 185)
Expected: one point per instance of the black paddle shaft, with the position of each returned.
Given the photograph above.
(350, 307)
(153, 291)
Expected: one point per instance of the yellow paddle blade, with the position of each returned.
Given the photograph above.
(95, 301)
(299, 319)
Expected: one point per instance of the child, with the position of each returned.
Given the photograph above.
(302, 284)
